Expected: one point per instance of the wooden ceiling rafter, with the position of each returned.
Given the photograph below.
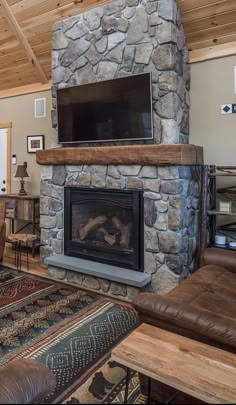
(213, 52)
(13, 23)
(210, 27)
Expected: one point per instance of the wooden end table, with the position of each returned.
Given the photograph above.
(197, 369)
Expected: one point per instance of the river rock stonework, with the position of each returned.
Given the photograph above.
(125, 38)
(171, 198)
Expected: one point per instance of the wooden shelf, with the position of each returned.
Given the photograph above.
(212, 175)
(227, 247)
(214, 212)
(209, 225)
(226, 167)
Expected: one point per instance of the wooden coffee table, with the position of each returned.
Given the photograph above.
(202, 371)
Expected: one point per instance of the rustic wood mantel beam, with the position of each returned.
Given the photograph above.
(123, 155)
(13, 23)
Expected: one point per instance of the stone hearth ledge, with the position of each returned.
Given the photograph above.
(123, 155)
(120, 275)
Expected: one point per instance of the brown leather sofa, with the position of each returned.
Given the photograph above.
(203, 307)
(25, 382)
(2, 238)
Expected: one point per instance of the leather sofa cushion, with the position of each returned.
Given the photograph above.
(204, 304)
(211, 289)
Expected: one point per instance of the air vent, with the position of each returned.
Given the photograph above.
(40, 108)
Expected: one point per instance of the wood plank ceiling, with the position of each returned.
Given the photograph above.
(25, 34)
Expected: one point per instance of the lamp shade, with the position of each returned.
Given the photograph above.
(21, 171)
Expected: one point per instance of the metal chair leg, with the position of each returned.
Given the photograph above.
(15, 252)
(20, 254)
(17, 256)
(27, 256)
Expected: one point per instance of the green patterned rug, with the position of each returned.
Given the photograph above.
(72, 333)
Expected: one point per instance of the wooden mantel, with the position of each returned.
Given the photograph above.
(123, 155)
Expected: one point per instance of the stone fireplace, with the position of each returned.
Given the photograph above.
(158, 182)
(170, 198)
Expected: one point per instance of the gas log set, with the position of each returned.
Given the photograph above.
(111, 231)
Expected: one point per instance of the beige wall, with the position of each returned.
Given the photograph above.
(212, 85)
(20, 111)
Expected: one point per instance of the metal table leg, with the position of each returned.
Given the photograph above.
(171, 398)
(127, 385)
(149, 390)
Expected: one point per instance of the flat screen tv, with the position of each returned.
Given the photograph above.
(111, 110)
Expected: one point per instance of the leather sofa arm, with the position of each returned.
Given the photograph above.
(184, 317)
(25, 382)
(221, 258)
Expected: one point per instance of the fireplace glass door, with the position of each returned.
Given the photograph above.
(105, 226)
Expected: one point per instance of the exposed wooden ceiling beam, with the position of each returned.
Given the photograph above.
(23, 41)
(213, 52)
(28, 89)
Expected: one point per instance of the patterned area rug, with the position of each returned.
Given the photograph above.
(5, 274)
(70, 332)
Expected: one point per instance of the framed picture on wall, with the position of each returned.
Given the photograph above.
(34, 143)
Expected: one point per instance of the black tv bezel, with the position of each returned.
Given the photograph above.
(109, 140)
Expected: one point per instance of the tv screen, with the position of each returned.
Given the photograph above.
(112, 110)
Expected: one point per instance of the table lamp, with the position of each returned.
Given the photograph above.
(21, 173)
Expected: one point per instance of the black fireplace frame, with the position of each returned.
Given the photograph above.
(133, 198)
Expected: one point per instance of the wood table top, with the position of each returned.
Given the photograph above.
(21, 197)
(200, 370)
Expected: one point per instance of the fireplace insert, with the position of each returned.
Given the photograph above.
(105, 226)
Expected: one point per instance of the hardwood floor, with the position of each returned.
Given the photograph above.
(34, 262)
(36, 269)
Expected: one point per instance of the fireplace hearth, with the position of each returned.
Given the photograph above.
(105, 226)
